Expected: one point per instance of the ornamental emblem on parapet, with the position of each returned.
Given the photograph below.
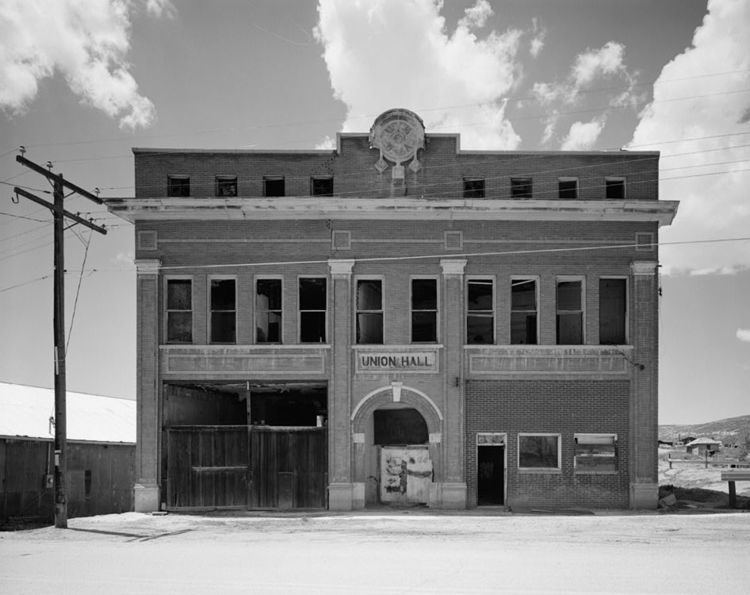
(398, 134)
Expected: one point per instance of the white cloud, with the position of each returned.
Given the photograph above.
(86, 41)
(743, 334)
(382, 54)
(583, 135)
(537, 41)
(159, 8)
(593, 64)
(700, 97)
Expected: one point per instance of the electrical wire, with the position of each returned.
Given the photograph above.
(78, 290)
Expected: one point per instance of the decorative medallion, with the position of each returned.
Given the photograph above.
(399, 134)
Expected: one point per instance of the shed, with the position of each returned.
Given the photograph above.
(701, 446)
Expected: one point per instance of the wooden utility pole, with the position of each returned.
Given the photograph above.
(59, 214)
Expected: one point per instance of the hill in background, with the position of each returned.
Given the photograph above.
(726, 430)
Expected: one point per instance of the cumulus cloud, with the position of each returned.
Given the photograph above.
(382, 54)
(696, 120)
(86, 41)
(583, 135)
(537, 41)
(743, 334)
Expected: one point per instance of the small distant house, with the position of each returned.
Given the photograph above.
(701, 446)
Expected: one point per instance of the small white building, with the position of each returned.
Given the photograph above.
(701, 446)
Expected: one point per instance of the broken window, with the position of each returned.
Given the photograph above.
(480, 314)
(424, 310)
(614, 188)
(569, 312)
(369, 311)
(612, 311)
(321, 186)
(226, 185)
(223, 311)
(595, 453)
(567, 188)
(178, 186)
(473, 187)
(179, 311)
(520, 187)
(268, 310)
(539, 451)
(312, 310)
(523, 312)
(273, 186)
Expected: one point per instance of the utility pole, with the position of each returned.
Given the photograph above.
(58, 319)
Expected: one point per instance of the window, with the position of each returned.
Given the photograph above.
(612, 311)
(567, 188)
(223, 311)
(179, 311)
(226, 185)
(424, 310)
(539, 451)
(473, 187)
(87, 483)
(312, 310)
(569, 312)
(321, 186)
(268, 310)
(273, 186)
(480, 312)
(614, 188)
(520, 187)
(178, 186)
(369, 306)
(595, 453)
(523, 312)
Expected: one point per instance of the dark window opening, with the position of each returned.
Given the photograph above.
(369, 311)
(312, 310)
(179, 311)
(87, 483)
(302, 407)
(178, 186)
(612, 311)
(538, 452)
(423, 310)
(520, 187)
(569, 313)
(273, 186)
(615, 188)
(268, 309)
(480, 315)
(523, 312)
(226, 185)
(321, 186)
(223, 311)
(473, 187)
(568, 189)
(399, 427)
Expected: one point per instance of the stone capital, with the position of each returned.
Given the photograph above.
(453, 266)
(644, 267)
(341, 267)
(147, 266)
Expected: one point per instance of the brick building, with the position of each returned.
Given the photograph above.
(396, 321)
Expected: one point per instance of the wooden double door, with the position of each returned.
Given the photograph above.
(261, 467)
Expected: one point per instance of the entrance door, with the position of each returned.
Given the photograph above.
(491, 475)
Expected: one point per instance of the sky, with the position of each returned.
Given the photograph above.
(84, 81)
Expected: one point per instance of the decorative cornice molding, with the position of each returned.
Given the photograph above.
(341, 267)
(147, 266)
(644, 267)
(453, 266)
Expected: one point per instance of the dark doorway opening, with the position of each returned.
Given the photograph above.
(399, 426)
(491, 475)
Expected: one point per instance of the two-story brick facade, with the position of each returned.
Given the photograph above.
(396, 321)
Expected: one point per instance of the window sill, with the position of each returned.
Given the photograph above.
(541, 470)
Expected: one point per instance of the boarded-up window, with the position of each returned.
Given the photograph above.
(268, 310)
(178, 186)
(321, 186)
(480, 312)
(369, 311)
(520, 188)
(539, 451)
(569, 312)
(223, 311)
(473, 187)
(523, 312)
(423, 310)
(612, 311)
(273, 186)
(312, 310)
(179, 311)
(595, 453)
(226, 185)
(568, 188)
(614, 188)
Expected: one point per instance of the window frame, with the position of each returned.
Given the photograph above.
(567, 279)
(314, 179)
(357, 311)
(621, 179)
(300, 310)
(557, 469)
(274, 179)
(167, 279)
(518, 182)
(221, 179)
(627, 307)
(474, 193)
(563, 179)
(436, 279)
(537, 284)
(256, 310)
(493, 283)
(209, 306)
(175, 178)
(614, 456)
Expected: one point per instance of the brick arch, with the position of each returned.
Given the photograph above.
(384, 395)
